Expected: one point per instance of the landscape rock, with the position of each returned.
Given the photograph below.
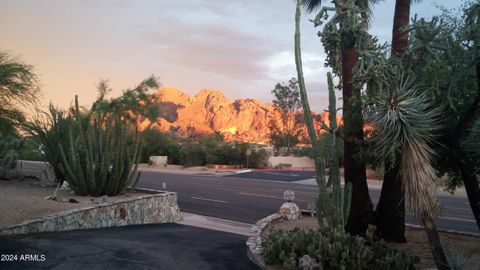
(290, 211)
(308, 263)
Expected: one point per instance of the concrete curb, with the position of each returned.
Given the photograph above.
(217, 224)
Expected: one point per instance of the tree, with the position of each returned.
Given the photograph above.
(18, 88)
(136, 105)
(340, 39)
(287, 101)
(390, 209)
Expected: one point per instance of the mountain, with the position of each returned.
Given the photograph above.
(211, 111)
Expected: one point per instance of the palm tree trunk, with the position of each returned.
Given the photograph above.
(361, 213)
(434, 240)
(470, 181)
(400, 21)
(467, 170)
(391, 207)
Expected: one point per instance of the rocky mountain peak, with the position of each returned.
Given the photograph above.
(211, 111)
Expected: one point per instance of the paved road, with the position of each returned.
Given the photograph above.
(251, 196)
(159, 246)
(287, 176)
(237, 197)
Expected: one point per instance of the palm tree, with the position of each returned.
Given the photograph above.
(401, 19)
(361, 213)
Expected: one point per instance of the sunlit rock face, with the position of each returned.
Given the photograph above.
(211, 111)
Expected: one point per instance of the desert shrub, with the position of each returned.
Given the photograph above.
(156, 143)
(333, 249)
(31, 150)
(302, 152)
(214, 150)
(236, 154)
(51, 129)
(192, 154)
(259, 159)
(9, 157)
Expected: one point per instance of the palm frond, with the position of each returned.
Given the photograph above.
(472, 144)
(406, 124)
(311, 5)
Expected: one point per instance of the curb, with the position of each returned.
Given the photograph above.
(217, 224)
(443, 230)
(254, 242)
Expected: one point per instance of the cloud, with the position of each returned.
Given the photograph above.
(281, 65)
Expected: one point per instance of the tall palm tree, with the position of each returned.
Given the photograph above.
(361, 213)
(401, 19)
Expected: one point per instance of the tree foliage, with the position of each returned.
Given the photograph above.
(18, 88)
(287, 102)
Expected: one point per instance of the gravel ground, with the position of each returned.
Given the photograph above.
(25, 200)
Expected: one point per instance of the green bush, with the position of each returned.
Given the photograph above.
(192, 154)
(51, 129)
(9, 146)
(258, 159)
(30, 150)
(156, 143)
(333, 249)
(213, 150)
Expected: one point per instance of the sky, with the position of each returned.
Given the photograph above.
(242, 48)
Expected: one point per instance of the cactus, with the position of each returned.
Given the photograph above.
(100, 157)
(333, 248)
(332, 208)
(9, 158)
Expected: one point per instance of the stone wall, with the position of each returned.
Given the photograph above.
(157, 207)
(159, 160)
(254, 242)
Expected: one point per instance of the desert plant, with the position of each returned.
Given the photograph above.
(333, 248)
(332, 208)
(156, 143)
(31, 150)
(18, 88)
(100, 156)
(9, 157)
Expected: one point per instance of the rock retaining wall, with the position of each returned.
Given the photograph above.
(254, 242)
(156, 207)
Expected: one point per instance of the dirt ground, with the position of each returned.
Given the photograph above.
(25, 200)
(417, 242)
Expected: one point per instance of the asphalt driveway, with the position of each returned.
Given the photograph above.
(156, 246)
